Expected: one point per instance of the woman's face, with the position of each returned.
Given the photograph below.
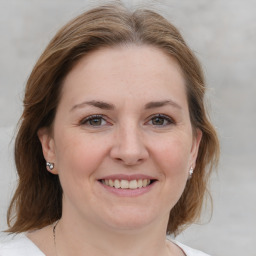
(122, 141)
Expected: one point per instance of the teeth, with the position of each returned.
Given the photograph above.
(144, 183)
(133, 184)
(110, 183)
(117, 184)
(139, 184)
(125, 184)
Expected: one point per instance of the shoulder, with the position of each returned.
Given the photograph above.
(188, 250)
(18, 245)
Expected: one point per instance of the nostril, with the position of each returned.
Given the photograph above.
(119, 160)
(129, 161)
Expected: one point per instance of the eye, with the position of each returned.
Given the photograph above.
(94, 121)
(160, 120)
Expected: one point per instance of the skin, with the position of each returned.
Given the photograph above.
(126, 137)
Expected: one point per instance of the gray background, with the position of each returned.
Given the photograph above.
(223, 35)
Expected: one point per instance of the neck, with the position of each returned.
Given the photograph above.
(73, 238)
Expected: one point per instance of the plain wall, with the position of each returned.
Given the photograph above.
(223, 36)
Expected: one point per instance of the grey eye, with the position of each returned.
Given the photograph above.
(160, 120)
(94, 120)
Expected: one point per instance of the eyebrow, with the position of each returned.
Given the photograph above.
(95, 103)
(158, 104)
(109, 106)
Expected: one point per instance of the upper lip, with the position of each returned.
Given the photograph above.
(128, 177)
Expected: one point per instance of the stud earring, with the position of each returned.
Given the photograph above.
(191, 170)
(50, 166)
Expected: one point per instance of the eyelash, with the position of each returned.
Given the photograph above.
(85, 121)
(164, 117)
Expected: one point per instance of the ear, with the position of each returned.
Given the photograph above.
(195, 147)
(48, 147)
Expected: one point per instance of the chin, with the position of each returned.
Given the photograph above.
(130, 220)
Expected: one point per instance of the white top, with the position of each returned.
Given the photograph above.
(20, 245)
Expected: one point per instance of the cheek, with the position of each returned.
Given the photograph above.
(78, 156)
(173, 156)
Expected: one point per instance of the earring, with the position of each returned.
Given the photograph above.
(191, 170)
(50, 166)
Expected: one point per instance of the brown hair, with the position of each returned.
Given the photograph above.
(37, 201)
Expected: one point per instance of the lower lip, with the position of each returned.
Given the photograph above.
(128, 192)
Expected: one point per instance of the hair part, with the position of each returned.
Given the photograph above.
(37, 201)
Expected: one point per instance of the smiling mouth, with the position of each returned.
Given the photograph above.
(126, 184)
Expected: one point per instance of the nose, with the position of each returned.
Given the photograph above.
(128, 146)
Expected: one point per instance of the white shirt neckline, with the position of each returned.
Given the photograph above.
(21, 245)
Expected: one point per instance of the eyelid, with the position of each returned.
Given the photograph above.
(83, 121)
(170, 120)
(91, 117)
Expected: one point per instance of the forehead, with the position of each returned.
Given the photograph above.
(131, 70)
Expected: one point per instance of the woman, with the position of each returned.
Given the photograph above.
(114, 148)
